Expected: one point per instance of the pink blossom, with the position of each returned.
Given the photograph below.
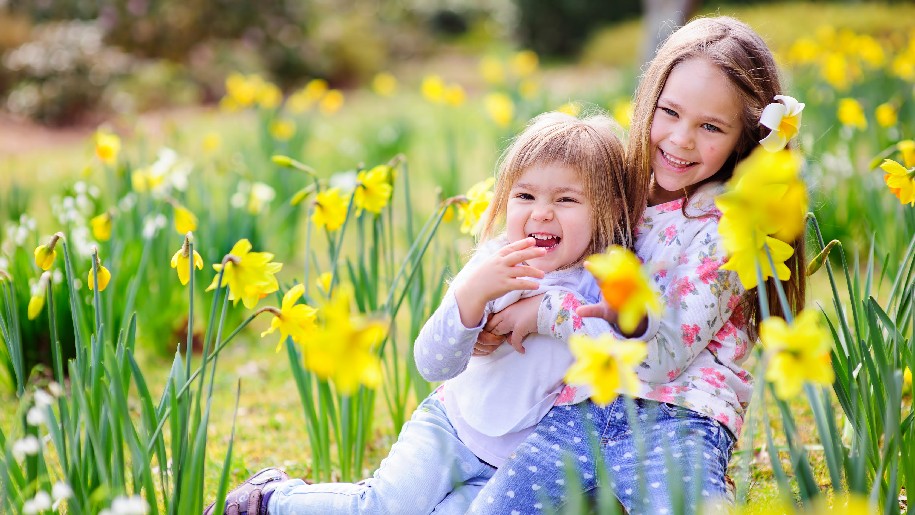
(708, 270)
(566, 396)
(712, 377)
(670, 232)
(673, 205)
(690, 332)
(672, 374)
(728, 330)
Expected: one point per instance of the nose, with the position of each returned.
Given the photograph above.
(682, 137)
(542, 212)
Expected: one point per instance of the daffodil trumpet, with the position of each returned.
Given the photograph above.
(45, 254)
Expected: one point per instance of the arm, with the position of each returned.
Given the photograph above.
(444, 345)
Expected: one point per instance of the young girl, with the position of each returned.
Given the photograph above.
(545, 196)
(696, 116)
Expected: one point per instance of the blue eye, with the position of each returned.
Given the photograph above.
(711, 128)
(524, 196)
(668, 111)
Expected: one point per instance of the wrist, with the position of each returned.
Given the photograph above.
(470, 306)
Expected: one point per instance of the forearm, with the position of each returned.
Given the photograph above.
(444, 345)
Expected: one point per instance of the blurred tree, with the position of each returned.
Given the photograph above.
(662, 17)
(561, 28)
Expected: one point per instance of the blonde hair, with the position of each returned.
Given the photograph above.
(745, 59)
(591, 147)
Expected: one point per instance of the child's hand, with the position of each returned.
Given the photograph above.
(516, 321)
(487, 343)
(501, 273)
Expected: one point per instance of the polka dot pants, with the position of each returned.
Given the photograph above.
(656, 456)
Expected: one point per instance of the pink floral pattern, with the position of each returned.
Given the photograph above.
(566, 396)
(690, 333)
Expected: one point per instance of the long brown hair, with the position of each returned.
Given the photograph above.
(746, 60)
(590, 146)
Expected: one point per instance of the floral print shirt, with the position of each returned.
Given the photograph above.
(697, 348)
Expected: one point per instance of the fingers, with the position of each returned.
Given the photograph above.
(486, 337)
(485, 349)
(600, 310)
(516, 342)
(517, 245)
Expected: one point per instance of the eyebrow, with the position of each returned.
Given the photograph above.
(558, 189)
(713, 119)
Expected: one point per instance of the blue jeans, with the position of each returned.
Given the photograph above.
(660, 457)
(429, 470)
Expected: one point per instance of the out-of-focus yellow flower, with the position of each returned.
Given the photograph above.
(500, 108)
(211, 143)
(241, 90)
(331, 102)
(804, 51)
(851, 114)
(45, 254)
(107, 146)
(570, 108)
(525, 63)
(269, 96)
(330, 209)
(433, 89)
(471, 211)
(622, 112)
(250, 276)
(605, 364)
(901, 178)
(303, 99)
(260, 195)
(294, 320)
(528, 88)
(342, 348)
(323, 281)
(373, 189)
(143, 180)
(903, 66)
(798, 353)
(886, 115)
(454, 95)
(185, 221)
(625, 288)
(101, 226)
(869, 50)
(784, 118)
(104, 277)
(282, 129)
(384, 84)
(181, 263)
(765, 204)
(492, 70)
(315, 89)
(835, 70)
(907, 380)
(36, 302)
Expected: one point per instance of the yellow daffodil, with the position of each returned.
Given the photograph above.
(107, 146)
(784, 118)
(525, 63)
(240, 91)
(373, 189)
(625, 288)
(330, 209)
(143, 180)
(211, 143)
(181, 263)
(844, 504)
(570, 108)
(851, 114)
(433, 89)
(293, 320)
(492, 70)
(797, 353)
(834, 68)
(249, 275)
(606, 365)
(269, 96)
(45, 255)
(900, 178)
(331, 102)
(804, 51)
(886, 115)
(907, 381)
(185, 221)
(470, 212)
(622, 112)
(282, 129)
(104, 277)
(500, 108)
(259, 196)
(454, 95)
(36, 302)
(342, 348)
(765, 204)
(528, 89)
(323, 281)
(384, 84)
(101, 226)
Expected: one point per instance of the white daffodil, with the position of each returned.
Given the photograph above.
(27, 446)
(40, 503)
(784, 118)
(36, 416)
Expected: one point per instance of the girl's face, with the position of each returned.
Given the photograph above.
(696, 126)
(548, 202)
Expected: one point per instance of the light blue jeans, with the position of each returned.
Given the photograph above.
(429, 470)
(660, 458)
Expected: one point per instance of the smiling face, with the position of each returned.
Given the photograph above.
(548, 202)
(696, 127)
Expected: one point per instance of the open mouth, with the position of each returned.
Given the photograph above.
(675, 162)
(545, 240)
